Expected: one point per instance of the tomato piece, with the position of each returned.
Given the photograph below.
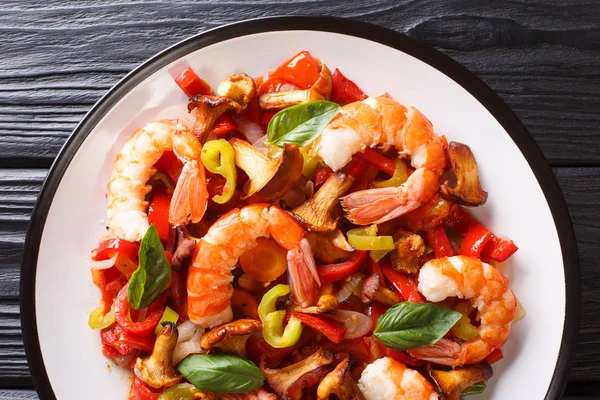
(191, 84)
(158, 213)
(107, 248)
(301, 69)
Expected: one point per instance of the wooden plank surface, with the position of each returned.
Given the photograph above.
(58, 59)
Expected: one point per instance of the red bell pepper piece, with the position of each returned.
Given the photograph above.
(107, 248)
(158, 213)
(141, 391)
(332, 330)
(191, 84)
(142, 328)
(474, 241)
(377, 160)
(499, 249)
(494, 356)
(343, 90)
(401, 283)
(355, 347)
(301, 69)
(113, 338)
(99, 278)
(375, 268)
(336, 272)
(400, 356)
(459, 220)
(438, 240)
(224, 125)
(322, 175)
(266, 117)
(258, 349)
(108, 351)
(355, 167)
(377, 310)
(169, 165)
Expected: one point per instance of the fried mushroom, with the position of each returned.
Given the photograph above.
(467, 191)
(157, 370)
(339, 383)
(230, 337)
(451, 383)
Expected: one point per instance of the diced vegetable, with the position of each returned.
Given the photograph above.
(244, 304)
(345, 91)
(438, 240)
(158, 213)
(153, 316)
(272, 320)
(218, 157)
(362, 239)
(301, 70)
(475, 240)
(398, 178)
(191, 84)
(330, 329)
(169, 315)
(476, 388)
(337, 272)
(182, 391)
(377, 160)
(107, 248)
(99, 319)
(265, 262)
(464, 330)
(402, 284)
(494, 357)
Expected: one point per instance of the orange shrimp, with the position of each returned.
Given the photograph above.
(486, 288)
(382, 121)
(209, 278)
(386, 379)
(127, 188)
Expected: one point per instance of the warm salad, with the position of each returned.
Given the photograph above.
(301, 240)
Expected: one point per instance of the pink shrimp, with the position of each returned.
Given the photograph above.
(209, 278)
(127, 189)
(486, 288)
(382, 121)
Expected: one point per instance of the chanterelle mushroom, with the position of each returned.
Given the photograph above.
(468, 191)
(157, 370)
(329, 247)
(408, 247)
(339, 383)
(372, 290)
(322, 211)
(270, 178)
(288, 382)
(235, 94)
(452, 383)
(321, 90)
(231, 337)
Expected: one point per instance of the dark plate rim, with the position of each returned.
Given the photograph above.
(486, 96)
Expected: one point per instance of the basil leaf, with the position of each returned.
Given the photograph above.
(221, 373)
(409, 325)
(152, 276)
(301, 124)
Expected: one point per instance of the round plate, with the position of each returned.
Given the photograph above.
(524, 203)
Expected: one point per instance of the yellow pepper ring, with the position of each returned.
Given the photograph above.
(218, 157)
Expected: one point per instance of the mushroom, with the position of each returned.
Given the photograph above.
(467, 191)
(270, 178)
(372, 290)
(235, 95)
(258, 394)
(231, 337)
(288, 382)
(321, 212)
(157, 370)
(329, 247)
(327, 304)
(183, 250)
(408, 247)
(320, 90)
(451, 383)
(339, 383)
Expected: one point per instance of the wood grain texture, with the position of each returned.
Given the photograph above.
(543, 58)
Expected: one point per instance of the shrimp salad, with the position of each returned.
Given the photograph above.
(299, 240)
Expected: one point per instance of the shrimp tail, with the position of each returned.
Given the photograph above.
(374, 206)
(190, 197)
(303, 275)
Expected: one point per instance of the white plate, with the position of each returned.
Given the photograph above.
(524, 200)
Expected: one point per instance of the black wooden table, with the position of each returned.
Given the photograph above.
(57, 58)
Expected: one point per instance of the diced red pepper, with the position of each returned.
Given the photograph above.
(99, 278)
(377, 160)
(355, 347)
(499, 249)
(169, 165)
(332, 330)
(107, 248)
(400, 356)
(191, 84)
(438, 240)
(266, 117)
(322, 175)
(158, 213)
(142, 328)
(223, 126)
(355, 167)
(377, 310)
(112, 337)
(405, 287)
(336, 272)
(141, 391)
(494, 356)
(459, 220)
(301, 69)
(108, 351)
(474, 241)
(343, 90)
(214, 184)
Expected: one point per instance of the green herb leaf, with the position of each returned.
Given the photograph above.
(409, 325)
(152, 276)
(301, 124)
(221, 373)
(476, 388)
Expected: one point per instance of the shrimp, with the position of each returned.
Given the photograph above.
(209, 277)
(382, 121)
(486, 288)
(127, 188)
(387, 379)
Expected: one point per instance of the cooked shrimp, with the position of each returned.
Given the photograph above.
(387, 379)
(209, 277)
(127, 188)
(382, 121)
(486, 288)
